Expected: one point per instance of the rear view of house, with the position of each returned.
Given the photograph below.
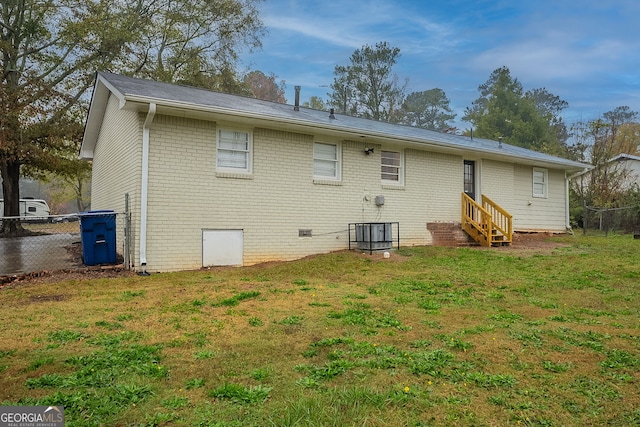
(218, 179)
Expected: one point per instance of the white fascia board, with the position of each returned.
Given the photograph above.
(101, 91)
(121, 97)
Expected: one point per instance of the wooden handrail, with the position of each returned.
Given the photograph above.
(487, 223)
(502, 220)
(476, 220)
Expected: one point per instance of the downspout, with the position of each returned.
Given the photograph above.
(566, 203)
(144, 190)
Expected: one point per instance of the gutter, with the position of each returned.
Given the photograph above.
(144, 190)
(582, 172)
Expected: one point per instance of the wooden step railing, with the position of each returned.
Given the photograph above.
(502, 220)
(487, 223)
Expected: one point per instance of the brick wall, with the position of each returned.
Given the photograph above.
(117, 164)
(448, 234)
(279, 196)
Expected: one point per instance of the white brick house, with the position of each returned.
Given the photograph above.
(218, 179)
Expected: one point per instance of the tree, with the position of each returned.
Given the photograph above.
(343, 95)
(66, 170)
(75, 176)
(621, 136)
(50, 50)
(627, 139)
(603, 185)
(606, 139)
(265, 87)
(598, 142)
(222, 80)
(504, 111)
(428, 109)
(315, 102)
(550, 106)
(184, 38)
(367, 87)
(71, 188)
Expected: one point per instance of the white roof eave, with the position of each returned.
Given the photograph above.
(101, 92)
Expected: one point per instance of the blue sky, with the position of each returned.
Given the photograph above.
(585, 51)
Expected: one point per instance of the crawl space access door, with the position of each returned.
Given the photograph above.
(222, 247)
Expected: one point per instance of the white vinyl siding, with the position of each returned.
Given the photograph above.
(326, 161)
(535, 214)
(391, 168)
(540, 182)
(233, 151)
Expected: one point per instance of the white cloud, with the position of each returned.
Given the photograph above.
(544, 60)
(586, 53)
(356, 23)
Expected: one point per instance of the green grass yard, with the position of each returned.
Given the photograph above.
(430, 337)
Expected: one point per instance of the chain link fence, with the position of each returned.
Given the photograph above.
(62, 242)
(612, 220)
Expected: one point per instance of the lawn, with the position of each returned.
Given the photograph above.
(429, 337)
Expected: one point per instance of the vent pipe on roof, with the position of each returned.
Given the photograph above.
(331, 114)
(499, 142)
(296, 106)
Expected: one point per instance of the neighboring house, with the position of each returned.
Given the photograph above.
(629, 166)
(218, 179)
(619, 174)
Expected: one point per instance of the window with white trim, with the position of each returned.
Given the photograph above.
(326, 161)
(540, 182)
(391, 167)
(233, 152)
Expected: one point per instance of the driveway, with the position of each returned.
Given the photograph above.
(20, 255)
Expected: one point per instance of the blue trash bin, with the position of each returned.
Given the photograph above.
(98, 236)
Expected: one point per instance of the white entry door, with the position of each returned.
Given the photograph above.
(222, 247)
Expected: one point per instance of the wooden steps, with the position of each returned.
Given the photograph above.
(488, 224)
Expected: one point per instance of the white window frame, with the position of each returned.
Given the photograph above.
(248, 167)
(337, 161)
(400, 181)
(540, 189)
